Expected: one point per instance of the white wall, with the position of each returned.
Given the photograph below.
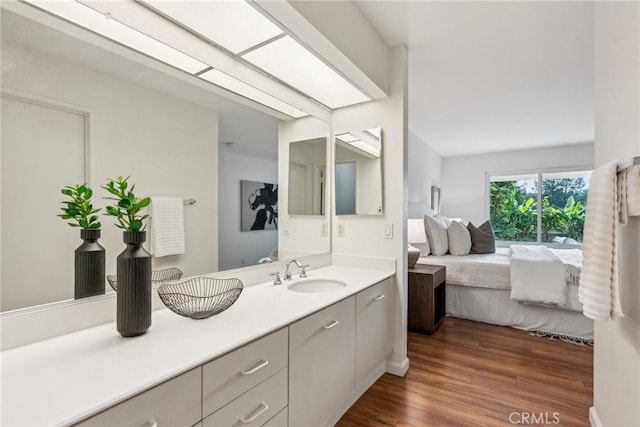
(241, 248)
(364, 235)
(425, 170)
(300, 234)
(464, 185)
(617, 100)
(167, 145)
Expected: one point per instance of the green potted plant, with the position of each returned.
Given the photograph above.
(134, 263)
(78, 210)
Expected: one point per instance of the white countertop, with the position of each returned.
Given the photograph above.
(65, 379)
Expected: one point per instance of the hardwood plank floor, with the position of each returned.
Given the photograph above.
(474, 374)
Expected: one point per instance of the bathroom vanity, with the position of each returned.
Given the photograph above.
(277, 357)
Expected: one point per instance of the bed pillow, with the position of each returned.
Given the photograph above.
(436, 228)
(482, 239)
(459, 238)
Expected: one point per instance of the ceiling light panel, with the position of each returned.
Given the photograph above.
(290, 62)
(234, 85)
(95, 21)
(232, 24)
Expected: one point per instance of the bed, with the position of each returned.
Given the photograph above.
(479, 288)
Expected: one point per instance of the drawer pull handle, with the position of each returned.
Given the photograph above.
(331, 325)
(256, 413)
(151, 423)
(256, 368)
(379, 297)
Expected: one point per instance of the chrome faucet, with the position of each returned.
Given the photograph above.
(287, 271)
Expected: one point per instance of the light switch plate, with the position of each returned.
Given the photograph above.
(285, 227)
(340, 229)
(388, 231)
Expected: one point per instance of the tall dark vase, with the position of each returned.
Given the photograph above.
(89, 265)
(134, 286)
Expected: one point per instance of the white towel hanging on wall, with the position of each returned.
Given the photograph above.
(598, 292)
(167, 226)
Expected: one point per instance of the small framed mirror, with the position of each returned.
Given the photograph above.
(307, 172)
(358, 172)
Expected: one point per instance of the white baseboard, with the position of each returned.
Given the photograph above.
(398, 368)
(593, 417)
(357, 392)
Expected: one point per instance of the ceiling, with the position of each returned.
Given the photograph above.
(251, 132)
(494, 76)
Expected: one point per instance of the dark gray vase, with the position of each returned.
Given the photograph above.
(134, 286)
(89, 265)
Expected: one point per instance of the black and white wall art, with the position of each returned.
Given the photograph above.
(259, 210)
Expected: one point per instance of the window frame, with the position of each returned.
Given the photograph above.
(538, 172)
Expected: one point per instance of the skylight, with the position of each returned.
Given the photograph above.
(243, 89)
(234, 25)
(290, 62)
(114, 30)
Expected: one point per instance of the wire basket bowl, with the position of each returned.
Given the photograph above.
(157, 276)
(200, 297)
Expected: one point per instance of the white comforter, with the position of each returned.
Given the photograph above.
(538, 276)
(476, 270)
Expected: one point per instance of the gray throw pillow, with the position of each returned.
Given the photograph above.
(482, 238)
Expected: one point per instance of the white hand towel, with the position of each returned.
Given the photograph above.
(633, 190)
(167, 226)
(598, 290)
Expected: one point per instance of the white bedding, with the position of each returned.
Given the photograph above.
(538, 276)
(493, 271)
(476, 270)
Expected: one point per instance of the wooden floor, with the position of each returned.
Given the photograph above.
(473, 374)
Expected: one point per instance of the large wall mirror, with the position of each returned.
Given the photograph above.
(358, 172)
(75, 112)
(307, 171)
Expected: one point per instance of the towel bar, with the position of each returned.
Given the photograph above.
(625, 165)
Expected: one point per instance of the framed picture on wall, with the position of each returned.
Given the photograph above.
(259, 209)
(435, 199)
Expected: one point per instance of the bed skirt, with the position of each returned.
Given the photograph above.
(494, 306)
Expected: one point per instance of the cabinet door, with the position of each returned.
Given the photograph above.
(321, 363)
(177, 402)
(374, 328)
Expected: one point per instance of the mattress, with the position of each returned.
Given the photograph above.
(493, 271)
(476, 270)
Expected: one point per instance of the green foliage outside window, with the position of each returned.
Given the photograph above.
(514, 210)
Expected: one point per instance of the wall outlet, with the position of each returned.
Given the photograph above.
(340, 229)
(323, 229)
(388, 231)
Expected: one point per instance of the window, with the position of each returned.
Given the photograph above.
(541, 207)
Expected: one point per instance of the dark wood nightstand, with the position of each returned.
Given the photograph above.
(427, 297)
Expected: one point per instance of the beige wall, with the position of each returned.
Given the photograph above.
(364, 235)
(617, 100)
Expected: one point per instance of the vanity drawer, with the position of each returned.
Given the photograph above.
(255, 407)
(281, 419)
(228, 377)
(173, 403)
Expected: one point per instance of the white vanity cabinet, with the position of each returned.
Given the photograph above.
(177, 402)
(374, 328)
(247, 386)
(321, 363)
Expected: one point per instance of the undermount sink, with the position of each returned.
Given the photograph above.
(311, 286)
